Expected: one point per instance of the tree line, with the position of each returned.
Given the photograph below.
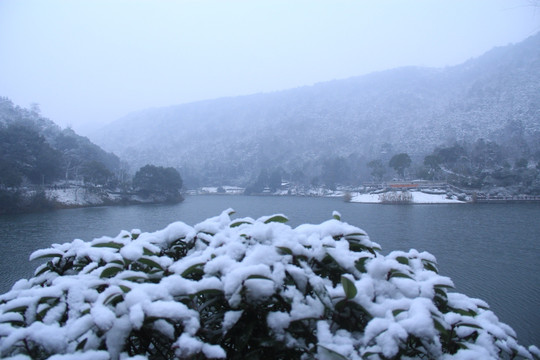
(478, 165)
(471, 165)
(35, 154)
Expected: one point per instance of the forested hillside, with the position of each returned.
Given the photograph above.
(301, 131)
(35, 150)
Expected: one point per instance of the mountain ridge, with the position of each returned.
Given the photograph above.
(408, 109)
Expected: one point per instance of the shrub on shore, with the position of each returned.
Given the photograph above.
(245, 289)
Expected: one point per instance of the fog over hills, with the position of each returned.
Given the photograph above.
(411, 109)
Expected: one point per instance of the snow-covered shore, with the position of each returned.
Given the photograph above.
(69, 197)
(80, 196)
(72, 197)
(417, 197)
(413, 197)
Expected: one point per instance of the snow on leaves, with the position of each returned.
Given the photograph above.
(245, 288)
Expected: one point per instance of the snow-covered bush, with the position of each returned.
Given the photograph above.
(396, 197)
(245, 289)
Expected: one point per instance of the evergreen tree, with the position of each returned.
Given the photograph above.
(96, 172)
(274, 180)
(24, 153)
(377, 169)
(157, 179)
(399, 163)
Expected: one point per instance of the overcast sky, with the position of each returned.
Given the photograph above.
(91, 62)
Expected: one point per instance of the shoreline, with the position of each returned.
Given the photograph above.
(60, 199)
(407, 198)
(63, 198)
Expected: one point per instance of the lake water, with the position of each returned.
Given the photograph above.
(491, 251)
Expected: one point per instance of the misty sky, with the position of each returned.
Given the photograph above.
(91, 62)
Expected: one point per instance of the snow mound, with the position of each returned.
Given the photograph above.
(233, 288)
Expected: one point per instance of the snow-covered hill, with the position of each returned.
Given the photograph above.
(495, 96)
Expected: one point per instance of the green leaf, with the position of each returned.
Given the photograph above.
(258, 277)
(110, 271)
(332, 354)
(441, 293)
(340, 305)
(238, 223)
(402, 260)
(439, 326)
(148, 252)
(203, 241)
(210, 292)
(42, 313)
(442, 286)
(247, 326)
(150, 262)
(41, 270)
(113, 299)
(469, 325)
(118, 262)
(135, 278)
(110, 244)
(179, 241)
(18, 309)
(356, 234)
(284, 250)
(348, 287)
(360, 264)
(125, 288)
(206, 233)
(368, 354)
(464, 312)
(322, 294)
(397, 274)
(46, 299)
(193, 269)
(336, 216)
(15, 323)
(397, 312)
(80, 346)
(49, 255)
(338, 237)
(356, 245)
(428, 265)
(276, 218)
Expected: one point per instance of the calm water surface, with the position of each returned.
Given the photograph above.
(490, 251)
